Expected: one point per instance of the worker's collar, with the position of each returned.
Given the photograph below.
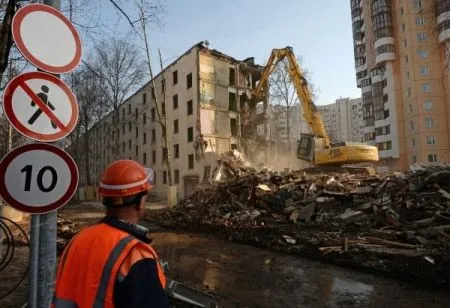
(138, 231)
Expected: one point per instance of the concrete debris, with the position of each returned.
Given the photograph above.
(371, 216)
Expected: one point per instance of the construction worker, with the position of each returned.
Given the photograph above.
(111, 264)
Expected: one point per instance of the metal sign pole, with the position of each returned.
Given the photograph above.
(47, 241)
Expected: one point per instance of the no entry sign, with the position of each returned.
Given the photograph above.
(46, 38)
(38, 178)
(40, 106)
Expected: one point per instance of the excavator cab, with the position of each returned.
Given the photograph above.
(306, 147)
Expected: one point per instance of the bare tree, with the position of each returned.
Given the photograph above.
(119, 68)
(160, 108)
(283, 93)
(88, 89)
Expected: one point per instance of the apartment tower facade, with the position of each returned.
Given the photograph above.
(343, 119)
(402, 55)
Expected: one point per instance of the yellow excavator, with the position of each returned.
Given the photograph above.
(316, 147)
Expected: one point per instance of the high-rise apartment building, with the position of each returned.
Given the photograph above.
(402, 55)
(343, 119)
(279, 124)
(209, 110)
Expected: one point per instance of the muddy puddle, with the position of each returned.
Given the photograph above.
(242, 276)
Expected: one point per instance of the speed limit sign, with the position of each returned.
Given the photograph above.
(38, 178)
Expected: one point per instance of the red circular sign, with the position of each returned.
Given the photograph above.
(23, 170)
(16, 106)
(47, 38)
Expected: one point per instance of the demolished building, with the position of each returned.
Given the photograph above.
(209, 110)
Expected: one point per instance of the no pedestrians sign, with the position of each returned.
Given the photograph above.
(40, 106)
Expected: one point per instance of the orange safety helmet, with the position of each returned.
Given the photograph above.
(124, 178)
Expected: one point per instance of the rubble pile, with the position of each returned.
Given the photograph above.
(66, 229)
(397, 223)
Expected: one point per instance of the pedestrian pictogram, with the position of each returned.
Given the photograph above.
(38, 178)
(46, 38)
(40, 106)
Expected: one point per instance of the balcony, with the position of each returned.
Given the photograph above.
(442, 6)
(384, 50)
(444, 28)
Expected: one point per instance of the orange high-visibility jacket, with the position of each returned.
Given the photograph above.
(93, 261)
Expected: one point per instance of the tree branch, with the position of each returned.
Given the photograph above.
(123, 13)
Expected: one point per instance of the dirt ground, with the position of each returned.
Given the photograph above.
(243, 276)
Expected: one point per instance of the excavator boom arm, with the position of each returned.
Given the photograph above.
(310, 111)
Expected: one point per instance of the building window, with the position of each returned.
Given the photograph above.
(123, 128)
(420, 20)
(144, 158)
(414, 158)
(176, 175)
(232, 76)
(191, 161)
(190, 134)
(405, 43)
(411, 125)
(403, 28)
(144, 138)
(426, 87)
(429, 122)
(164, 154)
(401, 11)
(144, 98)
(406, 59)
(175, 101)
(408, 91)
(153, 135)
(232, 105)
(206, 173)
(123, 147)
(144, 118)
(136, 131)
(175, 127)
(431, 140)
(190, 107)
(129, 144)
(413, 142)
(137, 150)
(428, 105)
(165, 177)
(423, 54)
(153, 114)
(424, 71)
(189, 81)
(408, 75)
(176, 151)
(129, 126)
(129, 108)
(410, 107)
(123, 113)
(175, 77)
(417, 4)
(136, 113)
(432, 158)
(421, 36)
(153, 156)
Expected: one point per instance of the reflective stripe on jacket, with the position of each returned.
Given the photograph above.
(93, 261)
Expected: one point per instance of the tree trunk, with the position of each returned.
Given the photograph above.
(6, 36)
(86, 151)
(288, 128)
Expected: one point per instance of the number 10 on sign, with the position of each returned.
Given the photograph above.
(38, 178)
